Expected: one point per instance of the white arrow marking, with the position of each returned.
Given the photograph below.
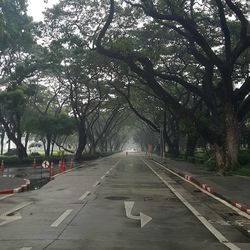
(7, 218)
(145, 219)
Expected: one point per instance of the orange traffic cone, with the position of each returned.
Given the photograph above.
(64, 165)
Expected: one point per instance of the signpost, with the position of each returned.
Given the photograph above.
(45, 165)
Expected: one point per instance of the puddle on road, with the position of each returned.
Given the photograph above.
(117, 198)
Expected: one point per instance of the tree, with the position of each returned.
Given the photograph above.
(13, 105)
(212, 36)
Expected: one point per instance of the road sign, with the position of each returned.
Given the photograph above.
(45, 164)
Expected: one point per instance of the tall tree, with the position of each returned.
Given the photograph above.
(213, 36)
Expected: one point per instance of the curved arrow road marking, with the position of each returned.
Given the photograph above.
(145, 219)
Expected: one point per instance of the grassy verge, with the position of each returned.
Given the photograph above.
(202, 159)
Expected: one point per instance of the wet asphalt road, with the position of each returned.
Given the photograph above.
(84, 209)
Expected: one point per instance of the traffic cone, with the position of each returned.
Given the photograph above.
(64, 165)
(34, 164)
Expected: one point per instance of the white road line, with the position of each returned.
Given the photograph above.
(25, 248)
(206, 192)
(84, 195)
(20, 206)
(111, 169)
(222, 239)
(61, 218)
(6, 196)
(96, 184)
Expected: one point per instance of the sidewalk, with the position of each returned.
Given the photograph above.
(233, 189)
(10, 185)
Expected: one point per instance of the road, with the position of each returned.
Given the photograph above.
(85, 209)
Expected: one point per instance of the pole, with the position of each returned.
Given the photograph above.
(41, 173)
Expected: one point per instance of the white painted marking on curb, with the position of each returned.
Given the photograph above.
(222, 239)
(61, 218)
(96, 184)
(25, 248)
(87, 193)
(206, 192)
(6, 196)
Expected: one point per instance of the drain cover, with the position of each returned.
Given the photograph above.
(117, 198)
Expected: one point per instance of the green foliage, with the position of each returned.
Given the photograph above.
(244, 157)
(243, 171)
(50, 124)
(15, 26)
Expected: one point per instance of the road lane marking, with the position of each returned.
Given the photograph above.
(103, 177)
(221, 238)
(96, 184)
(18, 207)
(61, 218)
(143, 218)
(87, 193)
(9, 219)
(206, 192)
(25, 248)
(6, 196)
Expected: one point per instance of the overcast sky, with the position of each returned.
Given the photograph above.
(36, 7)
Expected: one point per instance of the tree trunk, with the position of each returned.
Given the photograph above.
(47, 151)
(226, 153)
(2, 142)
(192, 139)
(82, 141)
(26, 141)
(21, 151)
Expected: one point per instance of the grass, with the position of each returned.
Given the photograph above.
(202, 159)
(243, 170)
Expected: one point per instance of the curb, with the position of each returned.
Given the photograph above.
(22, 188)
(211, 190)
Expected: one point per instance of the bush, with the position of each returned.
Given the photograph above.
(33, 154)
(11, 152)
(244, 157)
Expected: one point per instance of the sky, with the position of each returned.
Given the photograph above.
(36, 7)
